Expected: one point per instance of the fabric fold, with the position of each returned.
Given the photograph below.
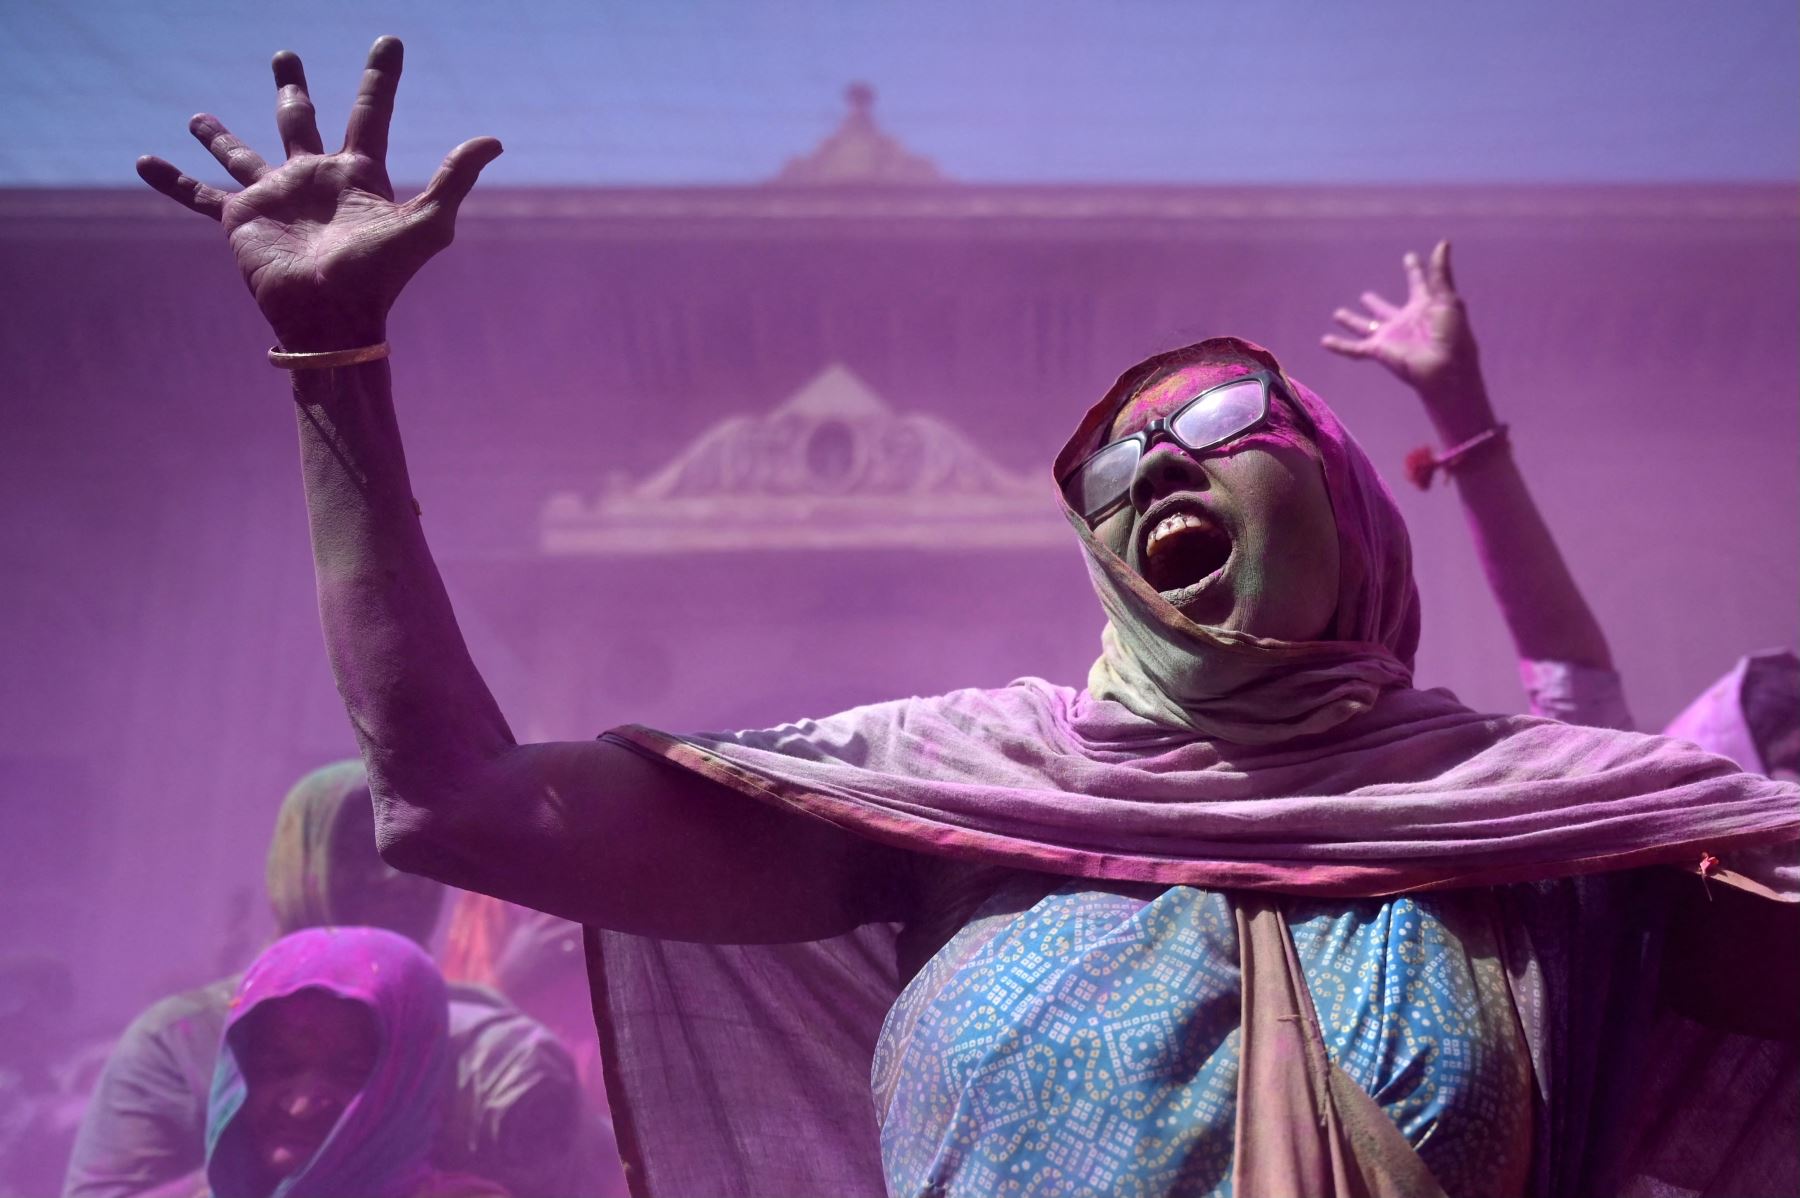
(1419, 792)
(1304, 1127)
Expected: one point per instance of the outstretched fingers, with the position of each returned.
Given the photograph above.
(1438, 273)
(462, 166)
(1379, 306)
(1360, 323)
(239, 160)
(188, 192)
(294, 116)
(1359, 348)
(1415, 277)
(373, 109)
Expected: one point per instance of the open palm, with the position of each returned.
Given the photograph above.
(320, 239)
(1426, 341)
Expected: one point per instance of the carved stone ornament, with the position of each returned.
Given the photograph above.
(859, 152)
(831, 468)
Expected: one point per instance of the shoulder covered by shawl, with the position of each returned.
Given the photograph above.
(1418, 792)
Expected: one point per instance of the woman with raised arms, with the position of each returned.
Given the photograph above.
(1246, 913)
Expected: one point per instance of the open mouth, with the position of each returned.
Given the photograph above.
(1184, 549)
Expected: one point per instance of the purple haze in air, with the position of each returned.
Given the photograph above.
(165, 677)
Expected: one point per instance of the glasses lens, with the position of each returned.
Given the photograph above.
(1102, 479)
(1221, 414)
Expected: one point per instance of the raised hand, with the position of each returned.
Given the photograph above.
(1425, 341)
(320, 239)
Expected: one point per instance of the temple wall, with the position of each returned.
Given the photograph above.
(165, 680)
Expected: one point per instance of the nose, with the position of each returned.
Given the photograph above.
(304, 1103)
(1165, 469)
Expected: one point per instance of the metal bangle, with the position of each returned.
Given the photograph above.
(283, 360)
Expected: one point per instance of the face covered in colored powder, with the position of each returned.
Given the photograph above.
(306, 1056)
(1240, 536)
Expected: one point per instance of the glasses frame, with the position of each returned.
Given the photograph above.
(1161, 429)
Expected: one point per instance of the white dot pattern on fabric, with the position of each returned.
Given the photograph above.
(1088, 1045)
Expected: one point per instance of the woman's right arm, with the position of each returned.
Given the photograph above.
(587, 830)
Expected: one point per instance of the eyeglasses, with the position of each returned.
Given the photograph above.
(1102, 483)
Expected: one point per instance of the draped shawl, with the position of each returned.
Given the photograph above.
(1195, 756)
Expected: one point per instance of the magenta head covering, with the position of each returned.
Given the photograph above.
(381, 1143)
(1229, 684)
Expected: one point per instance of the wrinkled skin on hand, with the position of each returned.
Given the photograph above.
(320, 239)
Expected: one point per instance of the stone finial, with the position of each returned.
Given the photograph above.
(858, 151)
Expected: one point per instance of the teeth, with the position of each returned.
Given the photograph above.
(1170, 525)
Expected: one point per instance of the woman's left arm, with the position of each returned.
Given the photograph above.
(1428, 344)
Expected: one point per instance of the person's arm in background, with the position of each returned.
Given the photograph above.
(1428, 344)
(520, 1116)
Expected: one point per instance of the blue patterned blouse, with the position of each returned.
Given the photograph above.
(1088, 1043)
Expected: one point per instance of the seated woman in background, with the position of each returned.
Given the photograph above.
(516, 1111)
(333, 1074)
